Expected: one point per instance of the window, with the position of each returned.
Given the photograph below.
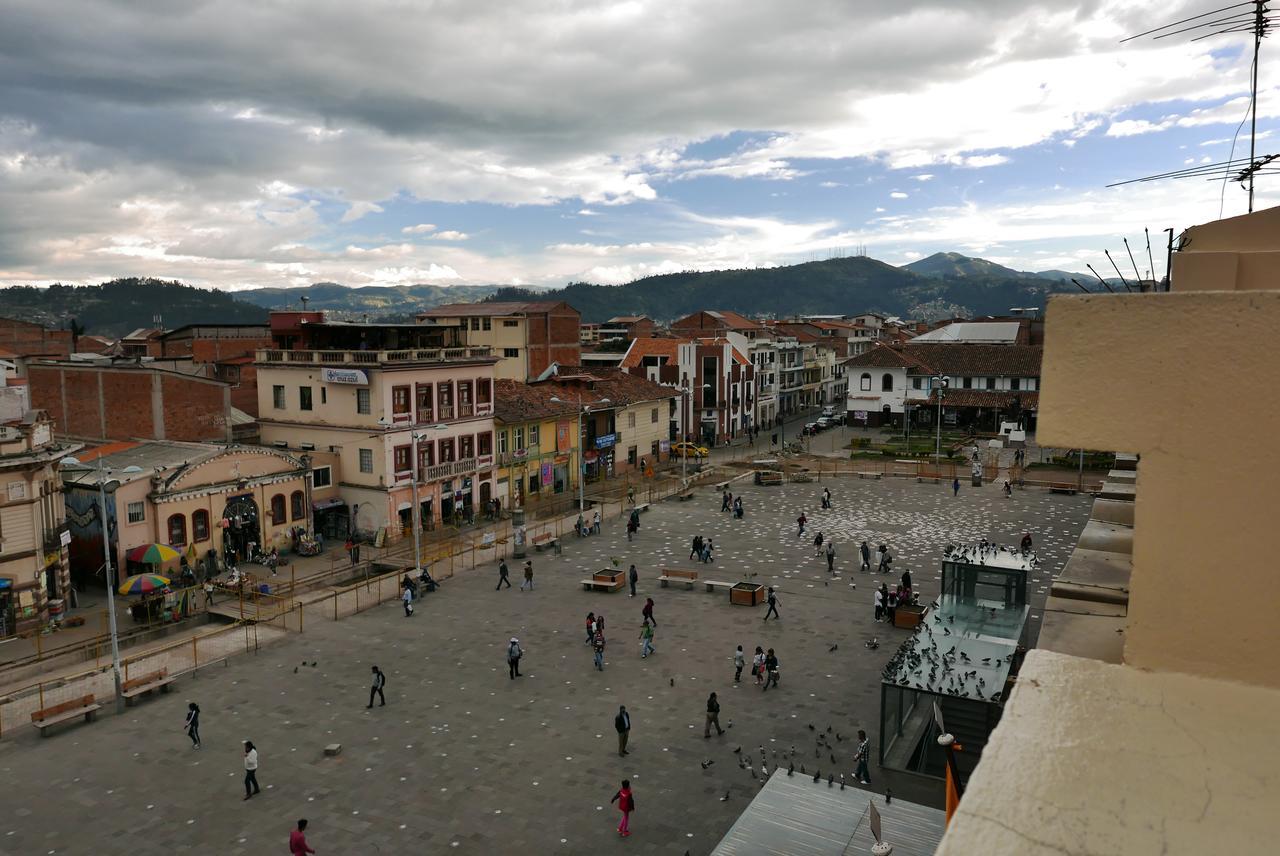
(304, 397)
(1030, 384)
(362, 401)
(653, 415)
(199, 526)
(486, 323)
(277, 397)
(510, 323)
(322, 477)
(426, 456)
(968, 383)
(446, 451)
(502, 442)
(475, 323)
(510, 352)
(444, 395)
(991, 383)
(297, 509)
(1015, 384)
(277, 510)
(466, 446)
(484, 443)
(866, 382)
(632, 457)
(534, 484)
(426, 404)
(533, 435)
(177, 528)
(631, 419)
(464, 399)
(400, 459)
(484, 391)
(886, 383)
(136, 511)
(366, 460)
(399, 399)
(324, 395)
(517, 439)
(917, 383)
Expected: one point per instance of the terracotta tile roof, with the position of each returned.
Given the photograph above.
(621, 388)
(955, 359)
(514, 402)
(1001, 398)
(641, 348)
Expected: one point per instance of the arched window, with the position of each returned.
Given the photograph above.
(886, 382)
(297, 510)
(199, 526)
(866, 382)
(277, 510)
(177, 530)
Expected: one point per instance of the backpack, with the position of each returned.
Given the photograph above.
(513, 651)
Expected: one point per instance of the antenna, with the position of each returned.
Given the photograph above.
(1252, 16)
(1123, 281)
(1100, 279)
(1079, 286)
(1136, 276)
(1150, 260)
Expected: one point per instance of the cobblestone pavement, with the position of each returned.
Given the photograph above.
(463, 759)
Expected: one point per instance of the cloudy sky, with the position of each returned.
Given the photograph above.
(240, 143)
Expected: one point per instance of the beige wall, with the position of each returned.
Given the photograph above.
(645, 432)
(500, 337)
(1239, 253)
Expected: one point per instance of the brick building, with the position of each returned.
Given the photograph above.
(715, 373)
(226, 353)
(26, 339)
(527, 337)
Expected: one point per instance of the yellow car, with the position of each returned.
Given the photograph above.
(689, 450)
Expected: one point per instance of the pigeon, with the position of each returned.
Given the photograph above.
(829, 729)
(830, 780)
(888, 796)
(832, 648)
(752, 771)
(707, 763)
(295, 670)
(817, 777)
(304, 662)
(833, 758)
(811, 728)
(313, 664)
(730, 725)
(838, 737)
(673, 682)
(724, 798)
(791, 768)
(737, 749)
(842, 781)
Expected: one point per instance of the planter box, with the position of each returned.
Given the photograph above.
(908, 616)
(746, 594)
(609, 575)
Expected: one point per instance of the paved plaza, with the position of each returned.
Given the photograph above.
(465, 760)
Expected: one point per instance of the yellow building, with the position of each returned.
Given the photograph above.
(526, 337)
(537, 443)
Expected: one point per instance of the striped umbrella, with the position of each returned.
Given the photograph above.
(152, 554)
(143, 584)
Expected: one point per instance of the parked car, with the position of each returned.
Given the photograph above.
(812, 428)
(825, 422)
(828, 412)
(689, 450)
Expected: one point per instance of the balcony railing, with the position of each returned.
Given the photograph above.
(372, 358)
(450, 469)
(445, 412)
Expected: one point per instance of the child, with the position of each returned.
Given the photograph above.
(626, 804)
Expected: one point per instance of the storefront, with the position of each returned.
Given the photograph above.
(331, 518)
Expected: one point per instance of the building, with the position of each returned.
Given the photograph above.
(1136, 750)
(987, 383)
(626, 327)
(224, 352)
(26, 339)
(527, 337)
(194, 497)
(713, 323)
(35, 584)
(987, 331)
(537, 443)
(354, 396)
(716, 374)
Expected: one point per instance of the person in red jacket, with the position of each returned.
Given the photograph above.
(626, 804)
(298, 840)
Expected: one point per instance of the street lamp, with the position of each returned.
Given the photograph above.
(582, 465)
(940, 384)
(686, 399)
(416, 517)
(107, 568)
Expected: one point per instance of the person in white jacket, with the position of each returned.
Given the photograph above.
(250, 770)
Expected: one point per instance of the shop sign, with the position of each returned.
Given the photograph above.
(546, 473)
(664, 445)
(562, 437)
(860, 415)
(590, 456)
(354, 377)
(604, 441)
(64, 537)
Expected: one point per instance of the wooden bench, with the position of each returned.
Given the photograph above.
(685, 496)
(712, 585)
(543, 540)
(641, 508)
(594, 584)
(85, 706)
(1063, 487)
(686, 577)
(143, 684)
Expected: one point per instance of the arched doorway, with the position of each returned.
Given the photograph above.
(242, 526)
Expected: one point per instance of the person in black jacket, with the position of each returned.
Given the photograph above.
(622, 723)
(713, 716)
(379, 681)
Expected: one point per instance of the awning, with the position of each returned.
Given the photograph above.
(322, 504)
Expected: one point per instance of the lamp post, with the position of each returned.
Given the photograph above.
(940, 384)
(108, 571)
(582, 464)
(686, 402)
(416, 517)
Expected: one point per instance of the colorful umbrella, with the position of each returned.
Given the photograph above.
(151, 554)
(143, 584)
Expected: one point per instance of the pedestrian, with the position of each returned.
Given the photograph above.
(708, 552)
(726, 499)
(1008, 489)
(633, 576)
(880, 596)
(631, 492)
(580, 527)
(906, 581)
(801, 521)
(757, 665)
(208, 593)
(831, 556)
(826, 494)
(739, 661)
(192, 725)
(713, 716)
(885, 559)
(695, 549)
(622, 723)
(626, 804)
(598, 646)
(514, 653)
(298, 840)
(866, 557)
(379, 681)
(591, 626)
(861, 756)
(250, 770)
(771, 667)
(631, 530)
(1026, 542)
(817, 543)
(737, 507)
(773, 605)
(407, 597)
(891, 604)
(595, 523)
(350, 547)
(502, 575)
(955, 487)
(528, 575)
(647, 612)
(646, 637)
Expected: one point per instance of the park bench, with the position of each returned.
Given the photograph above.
(712, 585)
(642, 507)
(685, 495)
(543, 540)
(46, 717)
(143, 684)
(686, 577)
(1063, 487)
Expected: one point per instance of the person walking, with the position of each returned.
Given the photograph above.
(591, 627)
(726, 499)
(622, 724)
(861, 755)
(597, 644)
(375, 688)
(502, 575)
(350, 547)
(880, 595)
(831, 556)
(407, 597)
(528, 575)
(647, 612)
(580, 527)
(708, 551)
(739, 661)
(633, 576)
(891, 604)
(192, 725)
(631, 529)
(817, 543)
(885, 559)
(298, 840)
(713, 716)
(737, 507)
(626, 804)
(800, 522)
(208, 593)
(955, 487)
(773, 605)
(695, 549)
(826, 497)
(646, 637)
(1026, 542)
(250, 770)
(757, 665)
(514, 653)
(771, 668)
(595, 523)
(866, 557)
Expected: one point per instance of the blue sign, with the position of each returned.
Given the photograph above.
(605, 441)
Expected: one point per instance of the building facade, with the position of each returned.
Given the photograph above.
(526, 337)
(537, 443)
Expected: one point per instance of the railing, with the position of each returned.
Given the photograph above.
(465, 410)
(446, 412)
(410, 355)
(449, 469)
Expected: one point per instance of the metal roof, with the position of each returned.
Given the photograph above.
(973, 331)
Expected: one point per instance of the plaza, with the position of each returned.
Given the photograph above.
(463, 759)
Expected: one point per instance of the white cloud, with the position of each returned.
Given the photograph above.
(897, 194)
(449, 235)
(420, 229)
(587, 212)
(923, 177)
(359, 209)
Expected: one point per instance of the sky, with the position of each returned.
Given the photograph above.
(246, 143)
